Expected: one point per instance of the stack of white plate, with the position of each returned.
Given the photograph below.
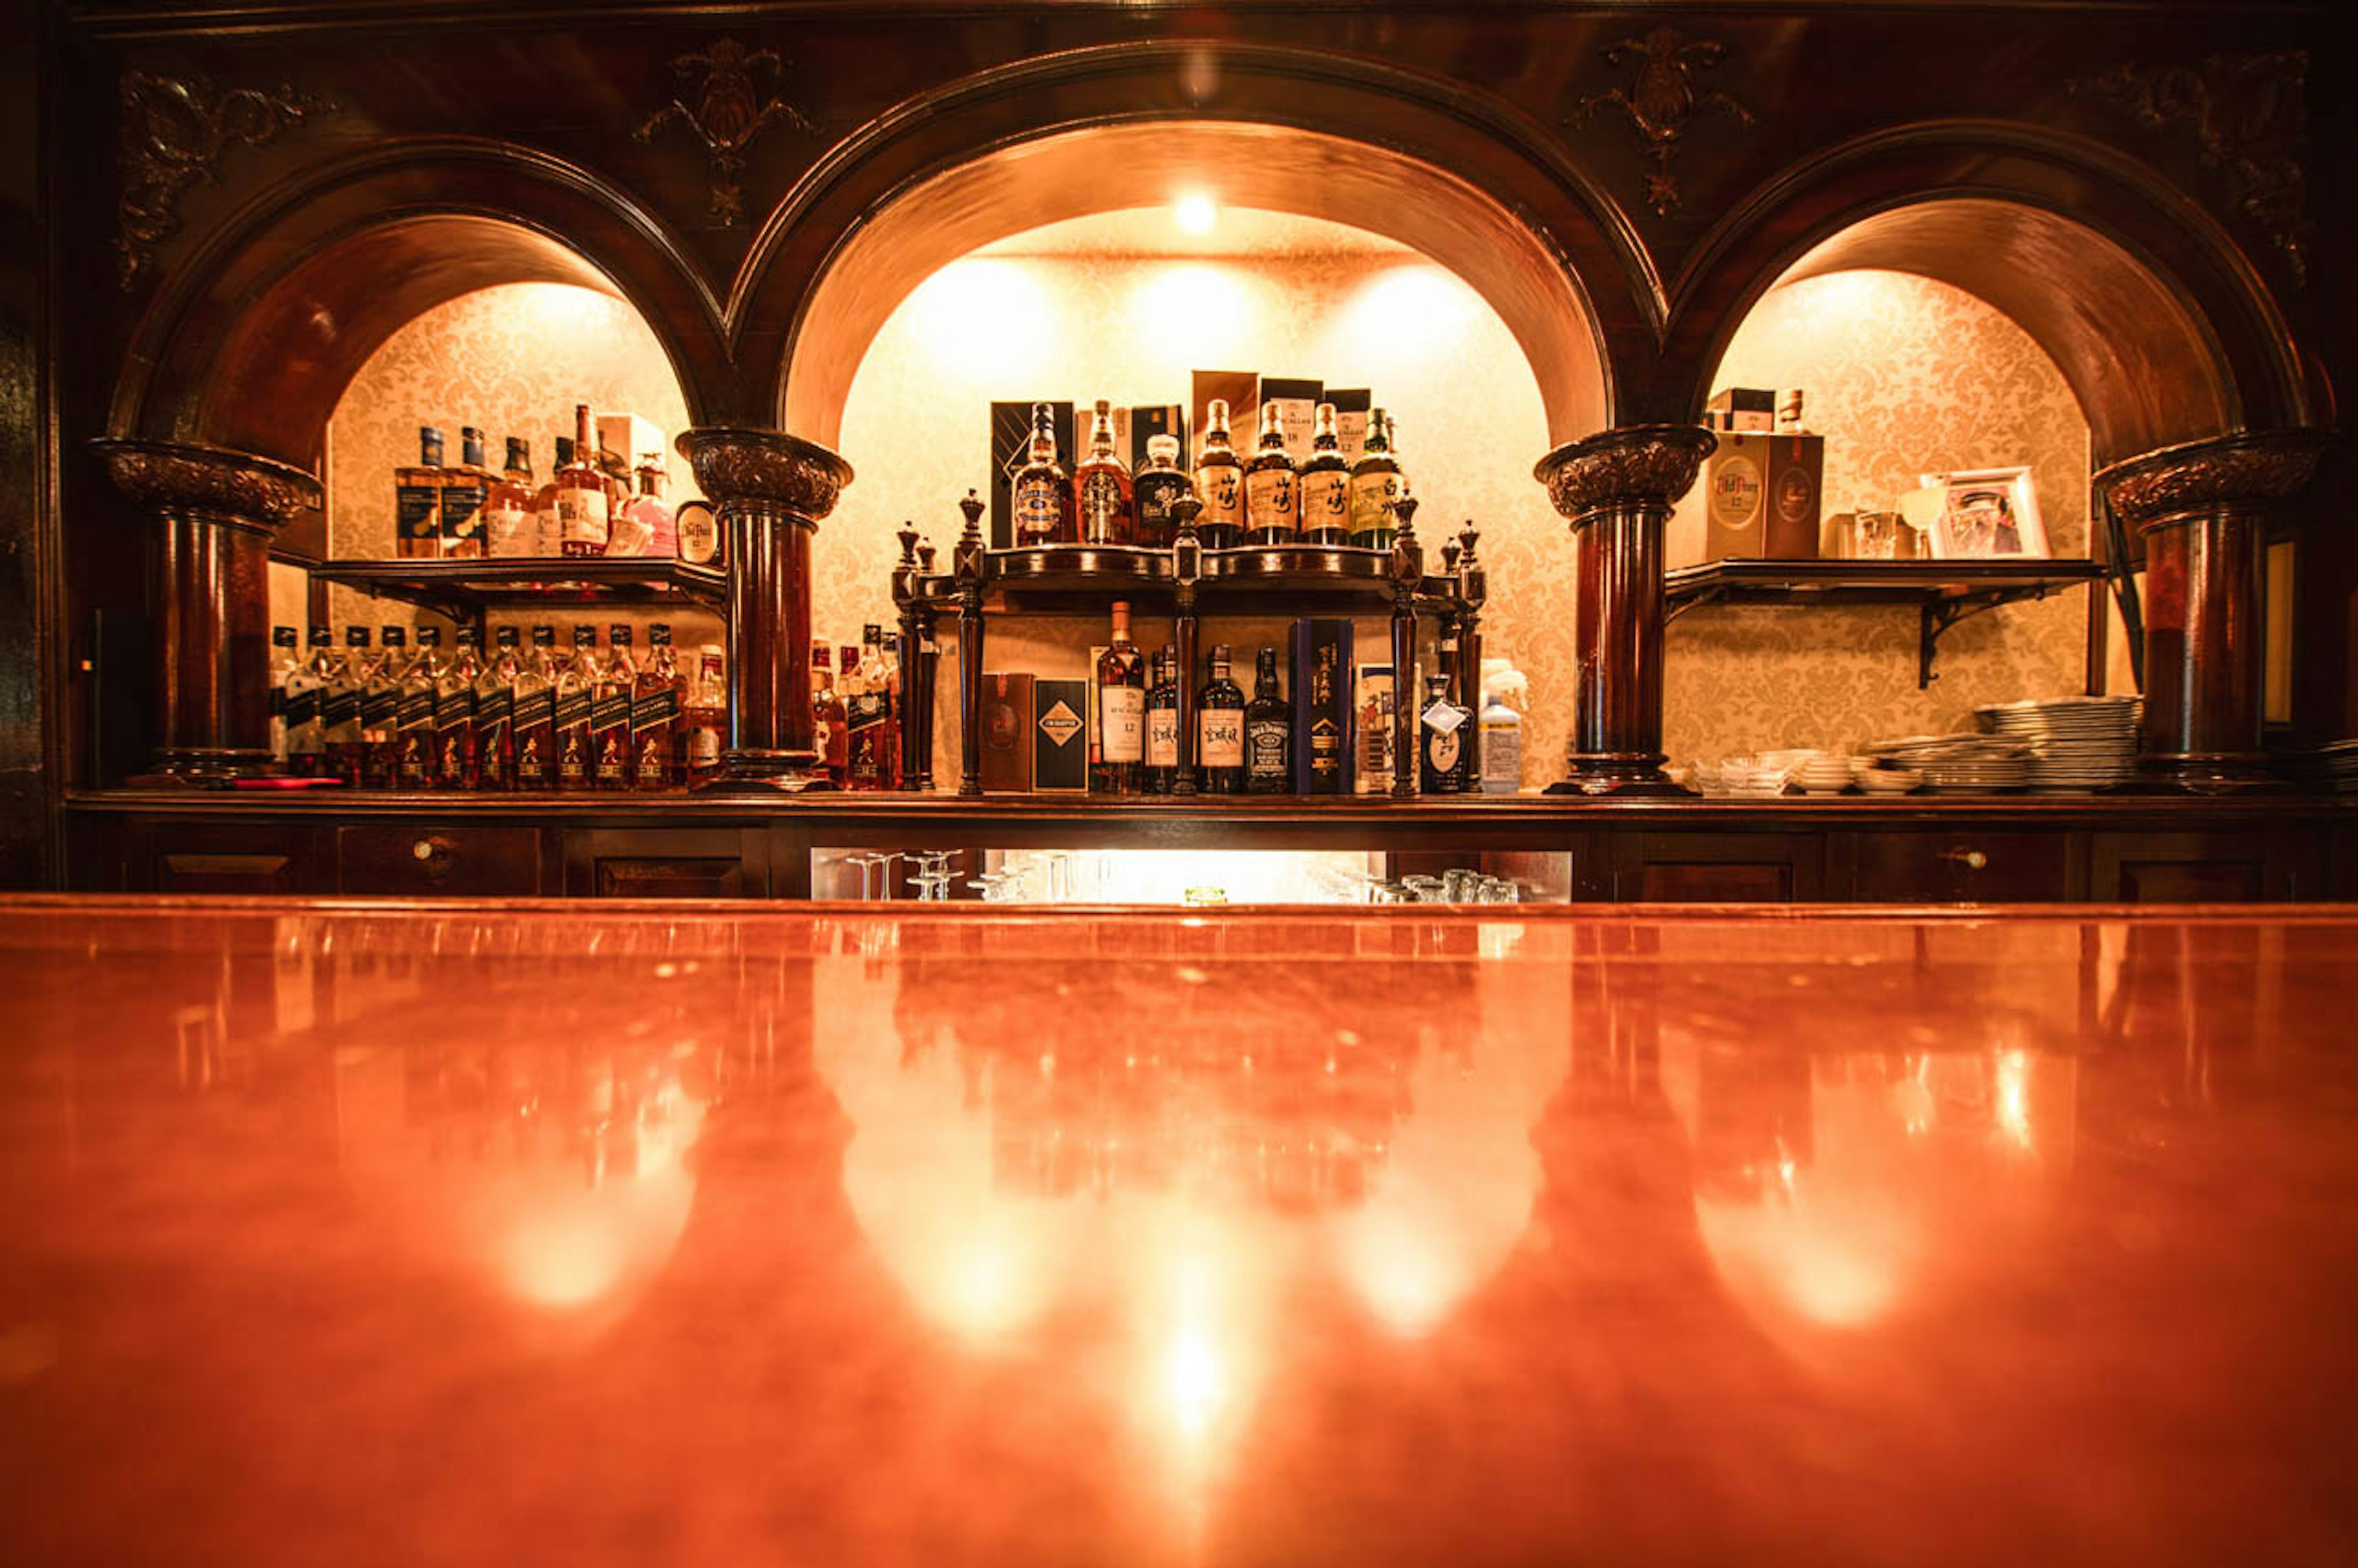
(1826, 772)
(1972, 765)
(2075, 742)
(1874, 779)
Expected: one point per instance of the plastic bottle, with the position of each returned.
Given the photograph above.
(1504, 693)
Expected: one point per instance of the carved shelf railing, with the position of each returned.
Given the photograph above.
(1945, 592)
(463, 590)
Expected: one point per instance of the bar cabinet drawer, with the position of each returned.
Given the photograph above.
(1714, 868)
(440, 861)
(226, 858)
(666, 863)
(2244, 867)
(1950, 867)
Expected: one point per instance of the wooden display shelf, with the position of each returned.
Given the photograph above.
(463, 590)
(1945, 592)
(1083, 579)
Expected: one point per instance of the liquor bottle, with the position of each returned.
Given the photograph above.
(1157, 485)
(418, 501)
(704, 719)
(534, 724)
(830, 725)
(454, 716)
(1375, 487)
(1326, 486)
(577, 686)
(286, 659)
(1121, 713)
(510, 524)
(1441, 739)
(647, 520)
(547, 518)
(1101, 487)
(1268, 732)
(381, 711)
(339, 707)
(654, 714)
(887, 682)
(495, 711)
(1042, 491)
(1220, 730)
(617, 683)
(1219, 483)
(306, 689)
(583, 511)
(1273, 486)
(466, 491)
(868, 712)
(414, 759)
(1163, 724)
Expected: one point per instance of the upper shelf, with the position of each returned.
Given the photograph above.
(1083, 578)
(464, 589)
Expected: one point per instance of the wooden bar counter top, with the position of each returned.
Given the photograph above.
(638, 1234)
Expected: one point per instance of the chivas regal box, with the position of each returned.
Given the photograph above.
(1006, 733)
(1011, 442)
(1060, 742)
(1761, 495)
(1322, 718)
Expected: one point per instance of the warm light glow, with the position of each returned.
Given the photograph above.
(1182, 313)
(2013, 1095)
(988, 317)
(1193, 1382)
(1197, 213)
(1415, 310)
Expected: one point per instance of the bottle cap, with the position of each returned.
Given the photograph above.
(282, 636)
(430, 636)
(519, 453)
(467, 636)
(355, 636)
(1163, 448)
(394, 636)
(619, 634)
(544, 636)
(320, 637)
(659, 635)
(429, 446)
(505, 636)
(585, 636)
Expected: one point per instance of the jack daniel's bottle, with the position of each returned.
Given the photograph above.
(1268, 732)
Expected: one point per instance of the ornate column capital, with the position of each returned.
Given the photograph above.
(1631, 466)
(213, 484)
(2246, 470)
(767, 470)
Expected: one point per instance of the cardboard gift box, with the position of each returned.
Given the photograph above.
(1761, 497)
(1322, 718)
(1007, 718)
(1060, 747)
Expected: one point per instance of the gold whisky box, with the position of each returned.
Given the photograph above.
(1761, 495)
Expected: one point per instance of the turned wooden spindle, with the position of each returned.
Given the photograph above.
(1407, 571)
(971, 565)
(1187, 569)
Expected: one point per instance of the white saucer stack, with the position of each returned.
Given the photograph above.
(2075, 743)
(1961, 765)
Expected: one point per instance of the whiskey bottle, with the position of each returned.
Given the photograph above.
(654, 714)
(1273, 494)
(306, 689)
(1219, 483)
(1163, 724)
(1220, 730)
(418, 501)
(884, 659)
(1326, 486)
(1121, 713)
(646, 526)
(830, 725)
(510, 525)
(1441, 739)
(577, 688)
(1375, 488)
(548, 520)
(536, 713)
(285, 660)
(454, 716)
(611, 693)
(582, 514)
(704, 719)
(1042, 491)
(495, 711)
(381, 711)
(868, 712)
(414, 759)
(1157, 486)
(340, 708)
(1101, 486)
(466, 491)
(1268, 732)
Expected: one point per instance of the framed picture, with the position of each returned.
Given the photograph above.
(1977, 515)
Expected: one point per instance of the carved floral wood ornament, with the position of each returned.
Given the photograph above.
(174, 131)
(1664, 101)
(726, 116)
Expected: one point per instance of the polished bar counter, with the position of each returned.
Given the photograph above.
(644, 1234)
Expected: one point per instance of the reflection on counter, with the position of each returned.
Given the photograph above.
(1172, 878)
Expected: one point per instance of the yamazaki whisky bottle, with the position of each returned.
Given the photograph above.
(654, 715)
(1219, 483)
(536, 713)
(415, 719)
(609, 712)
(1272, 496)
(577, 685)
(1326, 486)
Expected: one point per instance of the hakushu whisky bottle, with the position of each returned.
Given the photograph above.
(1268, 732)
(1156, 489)
(1375, 488)
(454, 716)
(510, 524)
(496, 709)
(1326, 485)
(1220, 730)
(381, 711)
(609, 712)
(1121, 713)
(1163, 724)
(414, 764)
(340, 708)
(654, 715)
(584, 512)
(536, 713)
(1272, 499)
(1101, 486)
(577, 686)
(1043, 491)
(466, 490)
(1219, 484)
(1441, 729)
(418, 501)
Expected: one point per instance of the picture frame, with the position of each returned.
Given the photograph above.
(1978, 515)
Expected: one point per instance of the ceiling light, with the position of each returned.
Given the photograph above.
(1196, 214)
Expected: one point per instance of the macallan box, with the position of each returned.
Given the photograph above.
(1006, 733)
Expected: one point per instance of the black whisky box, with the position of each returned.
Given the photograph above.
(1060, 746)
(1010, 444)
(1741, 409)
(1323, 719)
(1133, 428)
(1761, 495)
(1006, 733)
(1240, 390)
(1352, 405)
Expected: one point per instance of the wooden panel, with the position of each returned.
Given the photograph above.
(1971, 865)
(666, 863)
(2206, 868)
(424, 861)
(1716, 867)
(231, 858)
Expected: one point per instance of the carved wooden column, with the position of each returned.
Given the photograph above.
(1616, 488)
(217, 511)
(770, 490)
(2202, 509)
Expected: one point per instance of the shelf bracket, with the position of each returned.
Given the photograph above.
(1697, 601)
(1935, 617)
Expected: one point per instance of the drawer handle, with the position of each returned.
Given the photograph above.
(1972, 860)
(433, 852)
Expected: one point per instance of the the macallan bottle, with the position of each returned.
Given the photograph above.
(536, 713)
(1043, 491)
(583, 511)
(654, 715)
(704, 719)
(418, 501)
(1101, 486)
(1268, 732)
(340, 708)
(415, 758)
(1375, 488)
(609, 711)
(1155, 489)
(547, 518)
(381, 711)
(1220, 730)
(1326, 486)
(495, 707)
(830, 725)
(577, 686)
(1273, 493)
(510, 524)
(454, 716)
(1121, 713)
(466, 491)
(1219, 484)
(286, 659)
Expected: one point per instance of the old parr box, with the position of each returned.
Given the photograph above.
(1006, 733)
(1060, 745)
(1761, 496)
